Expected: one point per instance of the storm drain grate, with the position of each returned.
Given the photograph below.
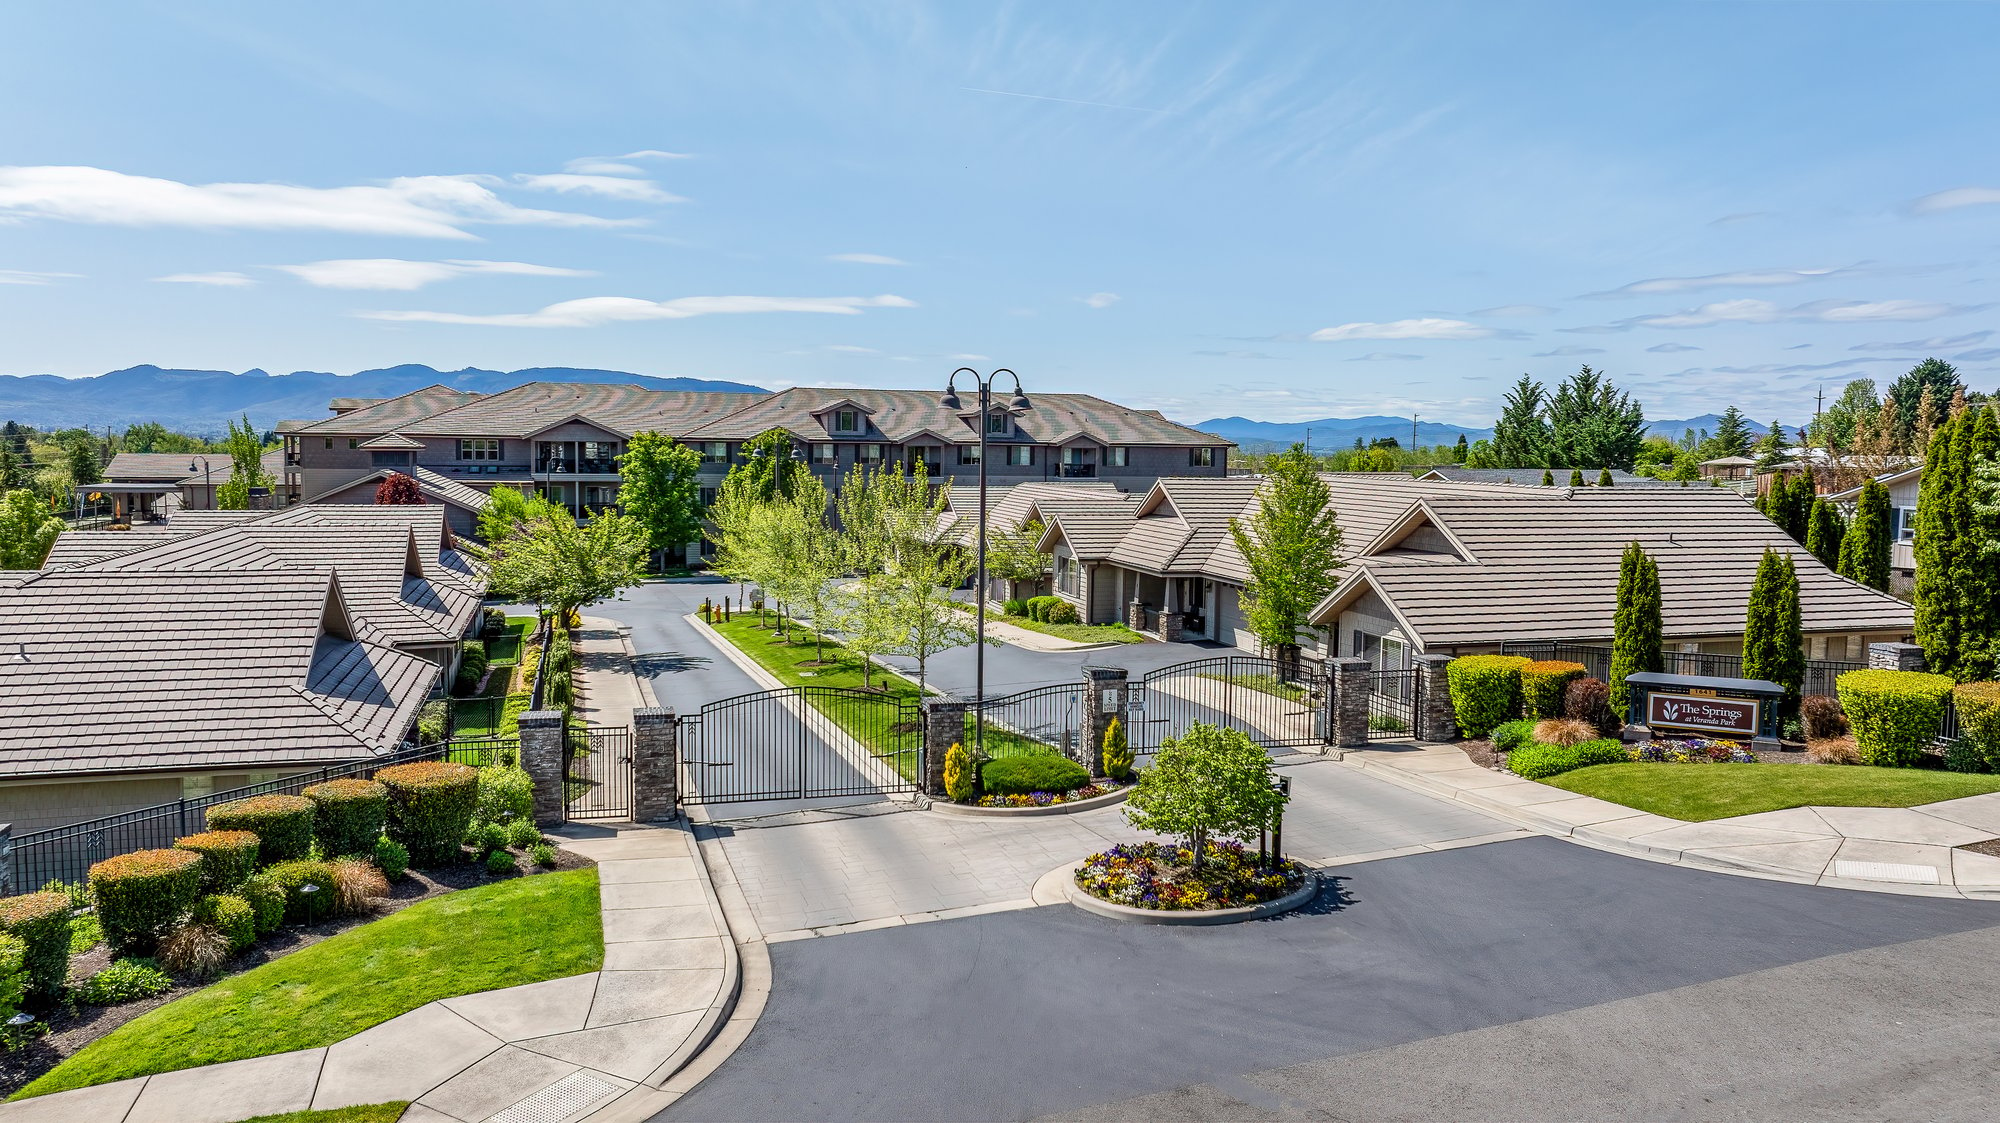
(558, 1101)
(1886, 871)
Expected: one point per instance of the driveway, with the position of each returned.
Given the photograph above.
(1529, 979)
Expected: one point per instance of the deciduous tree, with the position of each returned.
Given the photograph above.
(1291, 546)
(660, 488)
(246, 467)
(27, 530)
(552, 560)
(1207, 783)
(399, 489)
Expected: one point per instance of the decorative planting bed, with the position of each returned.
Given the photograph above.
(1103, 793)
(1156, 883)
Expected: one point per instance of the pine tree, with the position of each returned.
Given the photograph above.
(1936, 549)
(1921, 398)
(1823, 537)
(1773, 648)
(1732, 436)
(1864, 549)
(1520, 435)
(1460, 450)
(1635, 642)
(1604, 477)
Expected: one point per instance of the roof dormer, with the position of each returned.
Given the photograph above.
(844, 417)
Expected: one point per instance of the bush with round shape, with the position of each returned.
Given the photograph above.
(522, 833)
(1894, 714)
(13, 976)
(1485, 691)
(492, 622)
(141, 896)
(41, 921)
(308, 889)
(1062, 612)
(392, 858)
(506, 793)
(1589, 699)
(357, 885)
(500, 861)
(1978, 705)
(434, 722)
(430, 803)
(1545, 685)
(487, 837)
(1511, 735)
(348, 815)
(227, 857)
(1038, 608)
(230, 915)
(1033, 772)
(1539, 762)
(1821, 717)
(543, 855)
(195, 950)
(283, 824)
(1833, 750)
(960, 784)
(1118, 756)
(1016, 606)
(128, 979)
(1563, 731)
(267, 902)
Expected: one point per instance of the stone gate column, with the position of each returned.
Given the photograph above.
(542, 757)
(1104, 698)
(656, 764)
(1432, 715)
(1353, 680)
(944, 726)
(1896, 657)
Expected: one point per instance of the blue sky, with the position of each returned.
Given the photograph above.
(1282, 211)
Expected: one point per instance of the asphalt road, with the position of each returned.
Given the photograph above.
(1519, 980)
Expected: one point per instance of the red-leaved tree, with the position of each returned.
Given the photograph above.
(399, 490)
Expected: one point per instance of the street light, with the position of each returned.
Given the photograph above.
(949, 400)
(206, 482)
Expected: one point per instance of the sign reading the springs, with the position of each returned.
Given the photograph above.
(1735, 716)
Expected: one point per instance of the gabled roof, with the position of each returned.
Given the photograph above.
(1009, 508)
(396, 441)
(1532, 477)
(1887, 479)
(387, 414)
(898, 414)
(155, 670)
(434, 486)
(538, 406)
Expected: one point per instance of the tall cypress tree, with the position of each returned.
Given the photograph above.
(1773, 648)
(1824, 534)
(1936, 548)
(1864, 549)
(1975, 575)
(1635, 635)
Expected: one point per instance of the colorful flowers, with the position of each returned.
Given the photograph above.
(1694, 750)
(1152, 875)
(1045, 799)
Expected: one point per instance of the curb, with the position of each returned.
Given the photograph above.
(1190, 918)
(945, 807)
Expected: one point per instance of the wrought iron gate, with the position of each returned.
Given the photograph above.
(1278, 703)
(599, 778)
(1047, 719)
(799, 743)
(1392, 698)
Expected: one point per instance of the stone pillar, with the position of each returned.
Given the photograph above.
(542, 757)
(1896, 657)
(1135, 615)
(1435, 719)
(1353, 680)
(656, 763)
(1104, 698)
(944, 726)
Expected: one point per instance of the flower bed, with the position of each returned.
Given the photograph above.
(1693, 750)
(1153, 875)
(1050, 799)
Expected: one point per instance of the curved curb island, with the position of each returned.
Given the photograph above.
(1185, 917)
(946, 807)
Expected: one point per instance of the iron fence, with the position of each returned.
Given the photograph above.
(1392, 697)
(1820, 674)
(802, 742)
(1047, 719)
(1278, 703)
(599, 776)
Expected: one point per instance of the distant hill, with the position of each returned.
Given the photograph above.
(1674, 430)
(203, 401)
(1331, 433)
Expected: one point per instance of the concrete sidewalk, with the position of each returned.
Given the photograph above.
(1884, 849)
(546, 1052)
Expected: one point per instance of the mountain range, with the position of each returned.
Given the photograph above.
(203, 402)
(1330, 434)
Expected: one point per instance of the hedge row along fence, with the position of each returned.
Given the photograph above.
(1545, 686)
(1894, 714)
(1485, 690)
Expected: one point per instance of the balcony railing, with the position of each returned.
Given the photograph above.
(555, 467)
(1077, 471)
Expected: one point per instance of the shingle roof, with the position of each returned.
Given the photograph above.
(1532, 477)
(388, 414)
(433, 485)
(897, 415)
(77, 547)
(395, 441)
(1009, 508)
(172, 467)
(155, 670)
(536, 406)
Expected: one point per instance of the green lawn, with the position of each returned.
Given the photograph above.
(501, 935)
(486, 715)
(504, 650)
(1075, 633)
(1263, 684)
(366, 1113)
(1699, 792)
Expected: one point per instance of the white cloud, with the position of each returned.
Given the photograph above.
(396, 274)
(603, 186)
(1385, 357)
(1429, 327)
(29, 277)
(595, 165)
(1748, 311)
(1930, 343)
(597, 310)
(435, 206)
(1567, 352)
(866, 259)
(1101, 299)
(1955, 198)
(1746, 278)
(656, 154)
(1671, 348)
(225, 279)
(1516, 310)
(851, 349)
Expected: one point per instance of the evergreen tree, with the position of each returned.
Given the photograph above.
(1291, 546)
(1548, 478)
(1978, 583)
(11, 473)
(1958, 623)
(660, 488)
(1520, 435)
(1773, 648)
(1604, 477)
(1636, 640)
(1732, 436)
(84, 468)
(1800, 494)
(1592, 425)
(1864, 549)
(1920, 398)
(1460, 450)
(1576, 477)
(1936, 549)
(1823, 537)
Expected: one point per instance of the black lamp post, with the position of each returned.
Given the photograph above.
(950, 401)
(206, 481)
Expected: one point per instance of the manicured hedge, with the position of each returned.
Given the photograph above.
(1061, 612)
(141, 895)
(283, 824)
(1040, 607)
(506, 793)
(472, 664)
(267, 902)
(348, 815)
(41, 921)
(230, 915)
(1485, 691)
(1894, 713)
(1035, 772)
(227, 857)
(308, 889)
(1543, 686)
(1979, 719)
(430, 803)
(1538, 762)
(13, 975)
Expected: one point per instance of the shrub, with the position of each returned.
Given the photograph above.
(499, 861)
(84, 933)
(227, 857)
(472, 664)
(198, 950)
(1035, 772)
(1544, 686)
(41, 921)
(267, 902)
(487, 837)
(1538, 762)
(392, 858)
(430, 803)
(1038, 608)
(522, 834)
(1511, 735)
(348, 815)
(1062, 612)
(283, 824)
(1821, 716)
(543, 855)
(1961, 757)
(1117, 751)
(1833, 750)
(492, 622)
(13, 976)
(126, 980)
(1485, 691)
(357, 885)
(1589, 699)
(506, 793)
(230, 915)
(1894, 714)
(434, 722)
(1015, 606)
(1563, 731)
(959, 783)
(1978, 705)
(308, 889)
(141, 896)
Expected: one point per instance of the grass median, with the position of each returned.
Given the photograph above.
(1700, 792)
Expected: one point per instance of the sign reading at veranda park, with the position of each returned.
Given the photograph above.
(1704, 715)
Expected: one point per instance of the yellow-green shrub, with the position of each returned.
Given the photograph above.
(1978, 706)
(1894, 714)
(1117, 751)
(141, 896)
(40, 921)
(283, 824)
(1485, 691)
(1544, 684)
(348, 815)
(430, 803)
(958, 780)
(227, 857)
(13, 975)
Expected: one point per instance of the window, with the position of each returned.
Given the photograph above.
(354, 442)
(707, 496)
(868, 453)
(598, 456)
(714, 452)
(996, 422)
(1021, 456)
(1117, 456)
(846, 421)
(1066, 575)
(824, 454)
(1906, 524)
(478, 448)
(329, 442)
(1201, 458)
(968, 454)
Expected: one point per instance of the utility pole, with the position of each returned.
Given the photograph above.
(1413, 430)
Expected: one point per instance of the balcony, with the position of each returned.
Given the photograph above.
(566, 467)
(1077, 471)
